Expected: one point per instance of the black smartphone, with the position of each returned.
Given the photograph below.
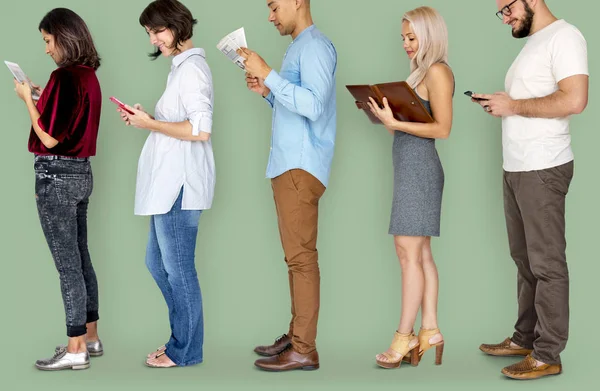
(470, 94)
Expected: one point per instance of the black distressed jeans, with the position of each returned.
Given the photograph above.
(63, 187)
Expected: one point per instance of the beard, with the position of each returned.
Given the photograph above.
(526, 23)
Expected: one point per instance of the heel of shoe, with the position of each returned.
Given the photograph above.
(82, 366)
(439, 351)
(414, 356)
(311, 367)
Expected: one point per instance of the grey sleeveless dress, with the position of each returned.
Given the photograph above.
(418, 185)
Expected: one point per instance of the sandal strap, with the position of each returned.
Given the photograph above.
(401, 343)
(424, 337)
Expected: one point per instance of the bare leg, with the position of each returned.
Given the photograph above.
(409, 251)
(430, 295)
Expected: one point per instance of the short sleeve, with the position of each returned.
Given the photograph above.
(569, 54)
(62, 103)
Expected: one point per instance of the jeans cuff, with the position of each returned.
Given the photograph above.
(92, 316)
(178, 360)
(76, 331)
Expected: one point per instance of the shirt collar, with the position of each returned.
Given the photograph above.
(181, 57)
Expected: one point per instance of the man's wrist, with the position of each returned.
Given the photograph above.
(266, 72)
(514, 107)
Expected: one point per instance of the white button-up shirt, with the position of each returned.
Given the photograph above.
(167, 164)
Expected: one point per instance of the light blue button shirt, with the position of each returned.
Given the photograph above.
(303, 98)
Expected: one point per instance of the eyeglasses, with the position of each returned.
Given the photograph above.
(505, 11)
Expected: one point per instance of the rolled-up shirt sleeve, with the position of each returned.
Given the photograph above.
(196, 93)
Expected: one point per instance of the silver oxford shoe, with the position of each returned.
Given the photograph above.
(64, 360)
(95, 348)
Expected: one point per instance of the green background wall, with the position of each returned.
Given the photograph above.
(239, 258)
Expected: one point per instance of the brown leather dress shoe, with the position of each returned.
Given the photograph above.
(504, 349)
(289, 360)
(527, 369)
(278, 346)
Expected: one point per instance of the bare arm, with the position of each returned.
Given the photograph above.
(570, 98)
(24, 92)
(180, 130)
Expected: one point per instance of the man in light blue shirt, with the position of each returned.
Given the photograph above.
(303, 99)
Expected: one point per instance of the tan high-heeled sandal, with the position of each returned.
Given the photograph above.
(424, 337)
(401, 344)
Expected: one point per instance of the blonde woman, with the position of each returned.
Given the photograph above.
(418, 185)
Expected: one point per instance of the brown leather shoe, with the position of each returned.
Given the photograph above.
(527, 369)
(289, 360)
(278, 346)
(504, 349)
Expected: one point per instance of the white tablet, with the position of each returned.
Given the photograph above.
(21, 77)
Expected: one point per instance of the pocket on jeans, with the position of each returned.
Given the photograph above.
(294, 182)
(71, 188)
(556, 179)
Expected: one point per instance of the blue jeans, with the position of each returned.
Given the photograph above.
(170, 259)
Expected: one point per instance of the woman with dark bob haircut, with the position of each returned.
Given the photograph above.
(176, 177)
(64, 129)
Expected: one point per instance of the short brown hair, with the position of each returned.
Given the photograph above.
(72, 38)
(170, 14)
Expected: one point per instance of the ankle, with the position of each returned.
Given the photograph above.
(77, 345)
(515, 346)
(91, 337)
(538, 363)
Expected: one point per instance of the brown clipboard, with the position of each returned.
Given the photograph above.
(403, 101)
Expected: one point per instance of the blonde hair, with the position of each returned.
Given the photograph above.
(432, 33)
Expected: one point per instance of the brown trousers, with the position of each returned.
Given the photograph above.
(297, 194)
(534, 206)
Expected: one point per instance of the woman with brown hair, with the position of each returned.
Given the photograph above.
(63, 136)
(176, 177)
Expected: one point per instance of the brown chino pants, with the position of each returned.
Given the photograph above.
(534, 206)
(297, 194)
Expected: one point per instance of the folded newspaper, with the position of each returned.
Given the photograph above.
(231, 43)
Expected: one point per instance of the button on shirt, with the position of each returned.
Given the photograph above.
(303, 98)
(167, 164)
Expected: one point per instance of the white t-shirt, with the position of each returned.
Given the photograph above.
(167, 164)
(554, 53)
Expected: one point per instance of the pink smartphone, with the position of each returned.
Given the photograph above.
(120, 104)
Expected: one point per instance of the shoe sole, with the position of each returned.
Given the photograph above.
(524, 377)
(74, 367)
(96, 354)
(305, 368)
(506, 354)
(388, 365)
